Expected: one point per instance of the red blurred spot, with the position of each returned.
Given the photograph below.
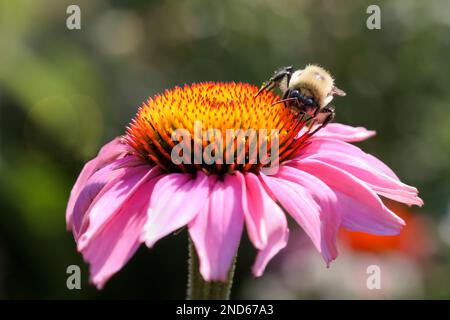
(414, 240)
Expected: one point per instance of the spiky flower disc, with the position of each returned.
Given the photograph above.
(218, 106)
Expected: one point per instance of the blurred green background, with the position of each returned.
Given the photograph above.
(64, 93)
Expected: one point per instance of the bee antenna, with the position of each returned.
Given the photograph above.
(283, 100)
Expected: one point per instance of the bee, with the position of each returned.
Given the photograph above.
(306, 91)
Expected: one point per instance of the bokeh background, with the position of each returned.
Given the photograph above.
(64, 93)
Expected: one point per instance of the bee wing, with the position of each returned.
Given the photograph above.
(335, 91)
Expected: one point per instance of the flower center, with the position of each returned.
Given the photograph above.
(217, 128)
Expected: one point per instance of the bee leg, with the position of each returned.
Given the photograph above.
(324, 116)
(265, 86)
(330, 113)
(285, 96)
(316, 111)
(282, 72)
(276, 79)
(282, 77)
(283, 101)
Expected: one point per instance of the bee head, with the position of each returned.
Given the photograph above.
(316, 82)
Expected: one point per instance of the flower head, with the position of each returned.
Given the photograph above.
(134, 192)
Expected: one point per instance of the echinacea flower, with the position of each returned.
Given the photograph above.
(133, 192)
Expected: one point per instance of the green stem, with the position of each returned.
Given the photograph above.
(199, 289)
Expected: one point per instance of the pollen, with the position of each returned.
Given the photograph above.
(223, 117)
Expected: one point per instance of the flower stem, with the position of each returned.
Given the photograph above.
(199, 289)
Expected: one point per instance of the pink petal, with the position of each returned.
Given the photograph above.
(325, 197)
(345, 133)
(217, 229)
(380, 182)
(324, 145)
(177, 199)
(266, 223)
(361, 209)
(107, 154)
(253, 206)
(298, 202)
(110, 173)
(110, 200)
(116, 241)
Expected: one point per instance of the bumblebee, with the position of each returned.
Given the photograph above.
(306, 91)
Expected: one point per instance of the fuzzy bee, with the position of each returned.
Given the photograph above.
(307, 91)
